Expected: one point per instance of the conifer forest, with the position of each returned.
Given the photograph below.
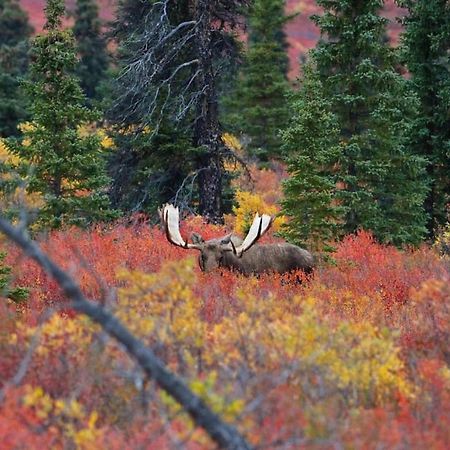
(225, 224)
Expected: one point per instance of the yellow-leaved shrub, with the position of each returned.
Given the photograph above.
(163, 305)
(19, 197)
(59, 332)
(248, 205)
(91, 129)
(358, 360)
(67, 416)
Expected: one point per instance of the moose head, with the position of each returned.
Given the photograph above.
(245, 256)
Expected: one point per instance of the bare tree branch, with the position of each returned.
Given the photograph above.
(225, 435)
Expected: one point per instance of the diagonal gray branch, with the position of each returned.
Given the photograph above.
(225, 435)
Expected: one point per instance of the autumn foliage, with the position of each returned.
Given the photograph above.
(357, 356)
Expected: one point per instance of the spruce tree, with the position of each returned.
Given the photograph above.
(426, 46)
(311, 143)
(16, 293)
(91, 47)
(14, 34)
(148, 170)
(258, 109)
(380, 182)
(66, 167)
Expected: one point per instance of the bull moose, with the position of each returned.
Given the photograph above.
(245, 256)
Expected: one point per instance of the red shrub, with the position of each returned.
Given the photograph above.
(367, 268)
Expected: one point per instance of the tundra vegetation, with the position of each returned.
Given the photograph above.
(113, 337)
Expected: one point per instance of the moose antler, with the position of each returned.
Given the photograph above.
(230, 252)
(259, 227)
(170, 218)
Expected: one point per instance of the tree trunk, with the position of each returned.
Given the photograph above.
(207, 131)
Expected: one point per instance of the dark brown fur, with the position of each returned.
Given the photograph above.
(279, 258)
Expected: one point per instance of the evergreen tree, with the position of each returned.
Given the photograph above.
(66, 168)
(91, 47)
(17, 293)
(258, 108)
(14, 34)
(380, 181)
(426, 43)
(311, 143)
(149, 169)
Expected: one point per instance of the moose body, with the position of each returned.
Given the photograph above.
(244, 256)
(278, 258)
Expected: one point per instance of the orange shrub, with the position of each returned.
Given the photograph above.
(367, 268)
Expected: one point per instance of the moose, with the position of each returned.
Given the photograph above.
(231, 252)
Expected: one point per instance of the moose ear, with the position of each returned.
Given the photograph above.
(196, 238)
